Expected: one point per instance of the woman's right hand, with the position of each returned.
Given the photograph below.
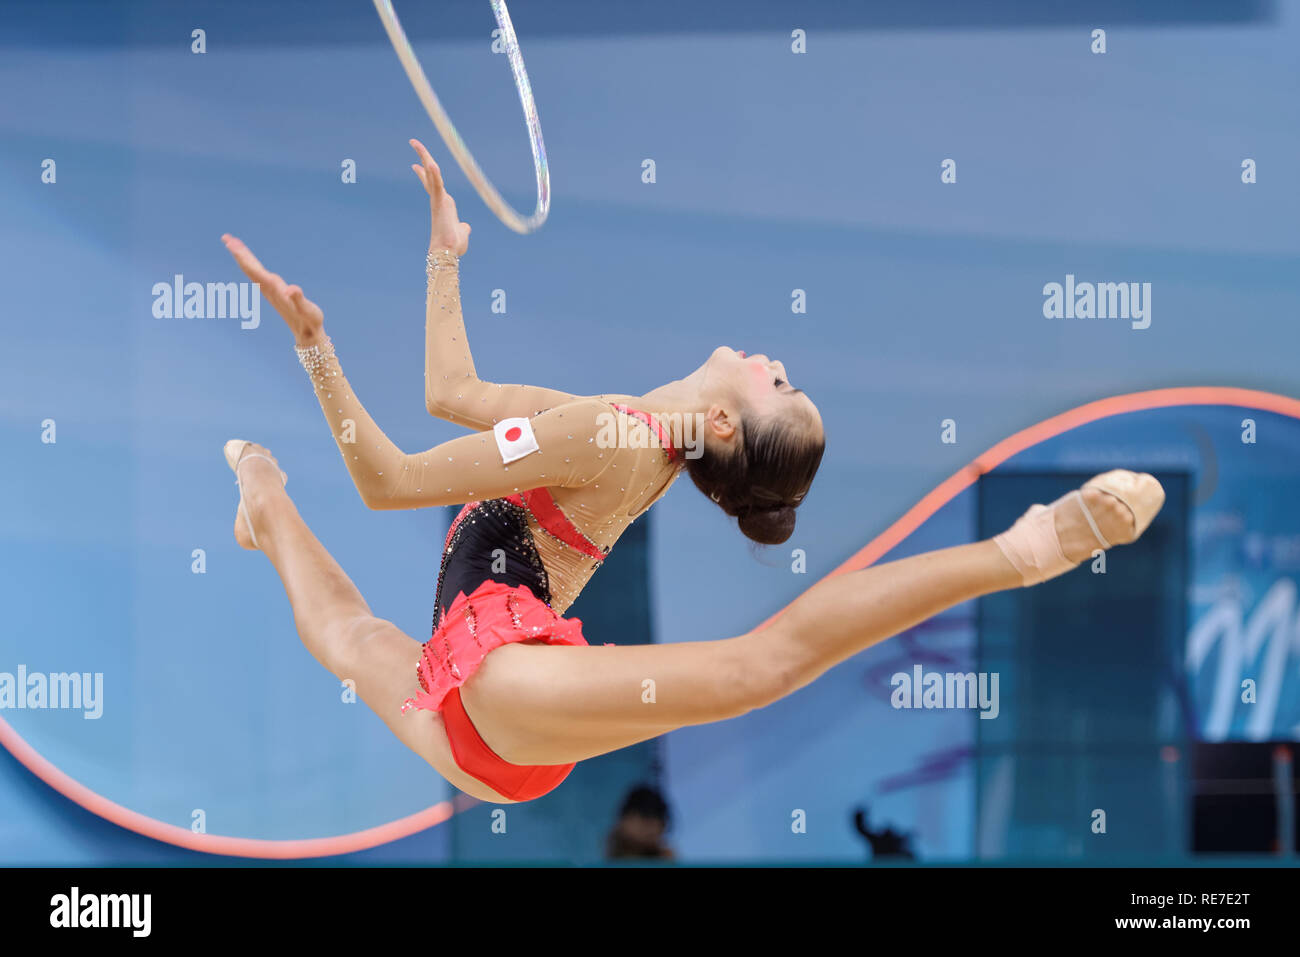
(446, 231)
(303, 317)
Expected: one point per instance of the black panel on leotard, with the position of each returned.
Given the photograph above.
(496, 533)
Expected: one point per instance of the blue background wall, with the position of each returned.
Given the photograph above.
(775, 171)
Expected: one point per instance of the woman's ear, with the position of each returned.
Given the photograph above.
(721, 423)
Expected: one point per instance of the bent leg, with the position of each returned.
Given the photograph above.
(338, 628)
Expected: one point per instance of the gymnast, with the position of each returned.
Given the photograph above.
(506, 696)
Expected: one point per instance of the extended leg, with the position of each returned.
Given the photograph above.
(552, 705)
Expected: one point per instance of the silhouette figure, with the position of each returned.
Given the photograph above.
(886, 843)
(639, 831)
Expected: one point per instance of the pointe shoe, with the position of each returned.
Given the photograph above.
(234, 452)
(1034, 548)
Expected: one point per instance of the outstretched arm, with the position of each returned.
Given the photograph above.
(466, 469)
(452, 388)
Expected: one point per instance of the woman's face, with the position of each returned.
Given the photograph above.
(758, 384)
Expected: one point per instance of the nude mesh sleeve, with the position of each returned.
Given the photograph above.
(452, 388)
(466, 469)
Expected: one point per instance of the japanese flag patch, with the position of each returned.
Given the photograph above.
(515, 439)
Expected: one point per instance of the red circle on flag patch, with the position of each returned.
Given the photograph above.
(513, 433)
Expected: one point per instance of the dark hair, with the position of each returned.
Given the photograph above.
(764, 479)
(645, 801)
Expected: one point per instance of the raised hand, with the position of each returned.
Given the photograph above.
(303, 317)
(446, 231)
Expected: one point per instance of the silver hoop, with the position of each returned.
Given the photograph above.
(504, 211)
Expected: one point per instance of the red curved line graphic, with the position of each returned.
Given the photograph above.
(438, 813)
(96, 803)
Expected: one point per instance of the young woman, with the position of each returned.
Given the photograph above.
(507, 695)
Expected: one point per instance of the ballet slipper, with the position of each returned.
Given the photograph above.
(234, 452)
(1034, 548)
(1139, 492)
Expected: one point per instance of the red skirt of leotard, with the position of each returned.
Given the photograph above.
(491, 616)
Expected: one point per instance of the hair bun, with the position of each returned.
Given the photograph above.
(768, 526)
